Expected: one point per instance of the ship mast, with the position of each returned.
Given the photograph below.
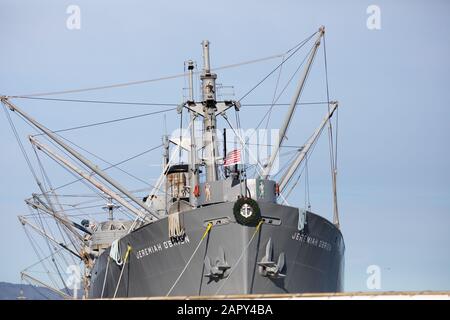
(208, 108)
(209, 121)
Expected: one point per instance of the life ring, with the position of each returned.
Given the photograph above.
(247, 212)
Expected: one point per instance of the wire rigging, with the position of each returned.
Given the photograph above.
(284, 89)
(132, 103)
(332, 147)
(151, 104)
(22, 148)
(131, 83)
(297, 48)
(109, 121)
(19, 142)
(114, 165)
(275, 93)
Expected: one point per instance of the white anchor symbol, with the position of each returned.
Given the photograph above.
(246, 211)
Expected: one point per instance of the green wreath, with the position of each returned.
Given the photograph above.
(247, 212)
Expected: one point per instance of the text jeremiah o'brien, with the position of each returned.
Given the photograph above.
(159, 247)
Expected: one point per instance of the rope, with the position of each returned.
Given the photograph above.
(175, 227)
(242, 254)
(123, 268)
(104, 280)
(208, 228)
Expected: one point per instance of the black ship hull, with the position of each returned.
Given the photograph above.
(157, 266)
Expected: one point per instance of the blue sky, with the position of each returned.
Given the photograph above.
(394, 190)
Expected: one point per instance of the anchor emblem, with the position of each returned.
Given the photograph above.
(246, 210)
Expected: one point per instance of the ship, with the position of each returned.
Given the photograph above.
(208, 227)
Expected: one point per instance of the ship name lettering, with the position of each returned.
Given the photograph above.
(154, 248)
(308, 239)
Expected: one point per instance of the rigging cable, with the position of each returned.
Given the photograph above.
(284, 89)
(100, 194)
(39, 261)
(137, 103)
(108, 121)
(69, 156)
(34, 287)
(35, 247)
(125, 84)
(281, 104)
(275, 92)
(281, 93)
(22, 148)
(50, 246)
(298, 47)
(310, 151)
(113, 166)
(49, 188)
(19, 142)
(109, 163)
(98, 101)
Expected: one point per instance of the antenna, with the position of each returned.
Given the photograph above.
(110, 206)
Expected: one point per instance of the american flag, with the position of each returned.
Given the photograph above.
(233, 157)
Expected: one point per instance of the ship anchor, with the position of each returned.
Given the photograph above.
(267, 267)
(218, 269)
